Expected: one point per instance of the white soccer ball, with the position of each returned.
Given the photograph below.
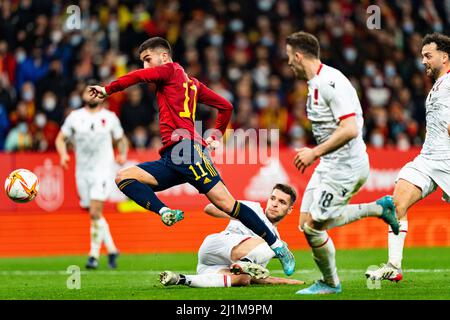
(22, 185)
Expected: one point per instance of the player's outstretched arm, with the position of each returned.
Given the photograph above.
(213, 211)
(122, 148)
(134, 77)
(275, 280)
(61, 147)
(210, 98)
(448, 129)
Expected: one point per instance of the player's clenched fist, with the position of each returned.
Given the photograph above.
(304, 158)
(64, 160)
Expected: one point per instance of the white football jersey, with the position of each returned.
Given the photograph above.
(237, 227)
(331, 98)
(92, 134)
(437, 139)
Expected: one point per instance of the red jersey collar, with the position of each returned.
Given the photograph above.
(320, 68)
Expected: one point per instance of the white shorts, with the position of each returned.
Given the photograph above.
(93, 187)
(215, 252)
(427, 175)
(330, 189)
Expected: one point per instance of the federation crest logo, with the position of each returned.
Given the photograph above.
(51, 195)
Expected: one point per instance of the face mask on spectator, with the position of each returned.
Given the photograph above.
(419, 64)
(236, 25)
(56, 36)
(370, 70)
(104, 72)
(75, 40)
(350, 54)
(28, 95)
(377, 140)
(408, 27)
(265, 5)
(94, 25)
(210, 23)
(267, 41)
(75, 102)
(262, 101)
(216, 40)
(21, 56)
(139, 140)
(49, 104)
(390, 71)
(234, 74)
(403, 144)
(378, 81)
(437, 27)
(40, 120)
(22, 127)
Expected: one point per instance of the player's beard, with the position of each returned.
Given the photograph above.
(92, 105)
(434, 73)
(274, 219)
(299, 72)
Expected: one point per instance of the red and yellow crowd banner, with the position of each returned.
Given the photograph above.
(53, 223)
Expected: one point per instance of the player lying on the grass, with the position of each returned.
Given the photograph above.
(92, 129)
(237, 256)
(431, 168)
(184, 155)
(336, 116)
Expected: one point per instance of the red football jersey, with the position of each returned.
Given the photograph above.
(177, 96)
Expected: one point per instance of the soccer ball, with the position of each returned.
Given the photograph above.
(22, 185)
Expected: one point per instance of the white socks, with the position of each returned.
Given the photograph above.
(96, 239)
(396, 244)
(324, 254)
(208, 280)
(276, 244)
(354, 212)
(261, 254)
(100, 233)
(107, 238)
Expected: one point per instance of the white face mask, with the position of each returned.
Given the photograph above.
(377, 140)
(350, 54)
(236, 25)
(49, 104)
(56, 36)
(75, 102)
(21, 56)
(234, 74)
(28, 95)
(216, 40)
(210, 23)
(262, 101)
(403, 144)
(104, 72)
(41, 120)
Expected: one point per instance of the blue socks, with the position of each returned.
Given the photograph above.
(251, 220)
(142, 194)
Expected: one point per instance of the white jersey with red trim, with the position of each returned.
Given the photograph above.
(92, 134)
(237, 227)
(437, 139)
(331, 98)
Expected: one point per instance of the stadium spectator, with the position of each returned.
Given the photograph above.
(235, 46)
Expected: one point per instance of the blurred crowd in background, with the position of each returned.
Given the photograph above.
(237, 48)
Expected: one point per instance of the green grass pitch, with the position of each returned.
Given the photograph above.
(426, 272)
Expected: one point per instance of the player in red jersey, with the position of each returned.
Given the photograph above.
(184, 155)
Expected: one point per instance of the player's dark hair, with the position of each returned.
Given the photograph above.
(304, 42)
(442, 41)
(288, 190)
(154, 43)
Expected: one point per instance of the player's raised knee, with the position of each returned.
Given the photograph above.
(120, 175)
